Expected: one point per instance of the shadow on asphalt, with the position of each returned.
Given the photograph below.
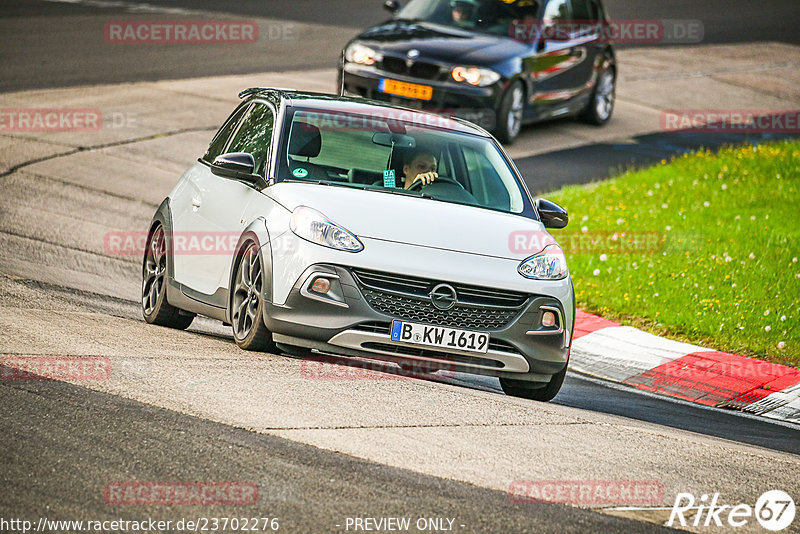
(583, 393)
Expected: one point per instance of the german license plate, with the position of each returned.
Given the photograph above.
(410, 90)
(440, 336)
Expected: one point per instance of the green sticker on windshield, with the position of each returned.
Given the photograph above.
(388, 179)
(300, 172)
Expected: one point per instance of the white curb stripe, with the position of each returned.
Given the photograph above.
(784, 405)
(620, 352)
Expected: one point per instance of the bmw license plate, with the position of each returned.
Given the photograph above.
(440, 336)
(410, 90)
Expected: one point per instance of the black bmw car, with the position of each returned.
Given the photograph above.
(499, 63)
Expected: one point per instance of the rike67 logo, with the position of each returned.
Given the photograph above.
(774, 510)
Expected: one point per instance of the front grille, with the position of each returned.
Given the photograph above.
(406, 350)
(407, 297)
(418, 69)
(427, 71)
(394, 64)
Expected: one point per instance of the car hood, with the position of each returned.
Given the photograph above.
(418, 221)
(441, 43)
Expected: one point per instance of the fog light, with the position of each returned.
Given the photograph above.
(549, 319)
(321, 285)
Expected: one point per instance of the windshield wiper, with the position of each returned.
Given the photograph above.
(325, 182)
(406, 194)
(363, 187)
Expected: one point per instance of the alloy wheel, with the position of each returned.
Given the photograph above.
(155, 267)
(247, 293)
(604, 96)
(514, 118)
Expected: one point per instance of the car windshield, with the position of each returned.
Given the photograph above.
(489, 16)
(389, 150)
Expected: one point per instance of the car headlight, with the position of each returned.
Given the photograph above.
(363, 55)
(475, 76)
(549, 264)
(313, 226)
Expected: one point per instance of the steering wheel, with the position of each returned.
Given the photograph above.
(416, 186)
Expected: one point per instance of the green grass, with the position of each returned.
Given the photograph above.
(719, 260)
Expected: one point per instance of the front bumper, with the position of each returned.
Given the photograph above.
(352, 326)
(476, 104)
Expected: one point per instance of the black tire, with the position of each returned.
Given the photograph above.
(247, 303)
(600, 107)
(521, 388)
(510, 113)
(155, 308)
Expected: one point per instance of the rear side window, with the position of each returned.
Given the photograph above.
(221, 139)
(255, 135)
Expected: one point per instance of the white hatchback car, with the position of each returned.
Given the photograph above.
(342, 226)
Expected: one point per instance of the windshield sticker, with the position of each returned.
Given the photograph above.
(300, 172)
(388, 179)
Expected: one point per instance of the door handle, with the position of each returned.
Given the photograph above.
(196, 203)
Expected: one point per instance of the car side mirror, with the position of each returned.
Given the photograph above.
(551, 214)
(236, 165)
(392, 6)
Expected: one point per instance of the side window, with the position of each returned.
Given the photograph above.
(557, 11)
(221, 139)
(487, 186)
(255, 135)
(585, 10)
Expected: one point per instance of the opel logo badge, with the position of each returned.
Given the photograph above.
(413, 53)
(443, 297)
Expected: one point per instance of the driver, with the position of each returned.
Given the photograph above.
(461, 10)
(420, 166)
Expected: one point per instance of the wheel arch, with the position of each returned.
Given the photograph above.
(608, 59)
(527, 88)
(163, 216)
(258, 233)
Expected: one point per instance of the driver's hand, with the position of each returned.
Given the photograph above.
(426, 178)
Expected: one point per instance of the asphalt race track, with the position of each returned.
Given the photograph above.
(310, 490)
(55, 43)
(190, 406)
